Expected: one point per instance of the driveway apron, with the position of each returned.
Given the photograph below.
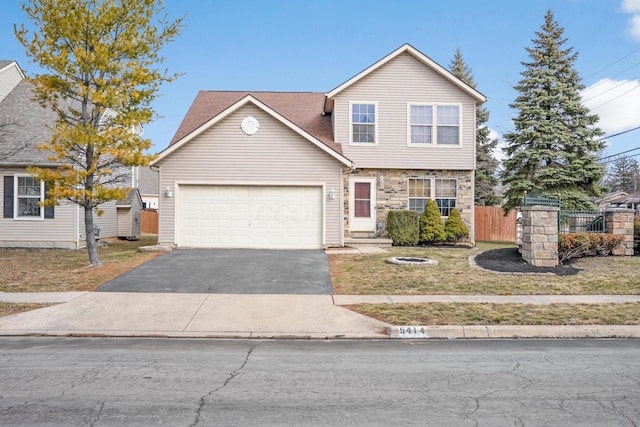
(229, 271)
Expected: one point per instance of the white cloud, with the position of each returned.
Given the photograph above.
(633, 7)
(617, 102)
(498, 154)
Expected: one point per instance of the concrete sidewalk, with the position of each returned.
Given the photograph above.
(271, 316)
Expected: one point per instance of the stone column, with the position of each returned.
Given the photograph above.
(540, 235)
(619, 222)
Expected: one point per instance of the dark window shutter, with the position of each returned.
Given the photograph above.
(8, 197)
(48, 210)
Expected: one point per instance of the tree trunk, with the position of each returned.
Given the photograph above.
(94, 259)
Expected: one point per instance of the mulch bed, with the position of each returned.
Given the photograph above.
(509, 260)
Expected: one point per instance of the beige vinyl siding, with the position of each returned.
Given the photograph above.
(401, 81)
(57, 232)
(9, 79)
(107, 222)
(275, 155)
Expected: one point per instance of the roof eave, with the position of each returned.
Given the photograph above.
(236, 106)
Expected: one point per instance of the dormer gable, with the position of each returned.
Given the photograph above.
(10, 76)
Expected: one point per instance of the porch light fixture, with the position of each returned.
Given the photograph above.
(168, 193)
(332, 194)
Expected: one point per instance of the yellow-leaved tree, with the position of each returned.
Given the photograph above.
(101, 59)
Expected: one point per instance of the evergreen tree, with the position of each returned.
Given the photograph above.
(554, 147)
(486, 165)
(431, 225)
(624, 175)
(102, 58)
(454, 227)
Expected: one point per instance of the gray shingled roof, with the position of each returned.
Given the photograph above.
(4, 63)
(24, 127)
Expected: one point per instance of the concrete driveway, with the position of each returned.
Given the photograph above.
(229, 271)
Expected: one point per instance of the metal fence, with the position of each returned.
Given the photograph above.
(574, 221)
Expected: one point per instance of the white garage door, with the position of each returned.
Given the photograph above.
(250, 217)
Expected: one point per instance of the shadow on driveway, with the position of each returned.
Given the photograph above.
(229, 271)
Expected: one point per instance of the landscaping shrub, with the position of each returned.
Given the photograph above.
(431, 225)
(454, 228)
(576, 245)
(403, 227)
(636, 237)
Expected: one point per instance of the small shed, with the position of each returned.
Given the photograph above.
(129, 216)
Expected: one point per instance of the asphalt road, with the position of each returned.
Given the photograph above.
(91, 381)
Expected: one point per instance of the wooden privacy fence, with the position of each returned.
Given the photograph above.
(492, 224)
(149, 221)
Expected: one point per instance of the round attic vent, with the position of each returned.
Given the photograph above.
(250, 125)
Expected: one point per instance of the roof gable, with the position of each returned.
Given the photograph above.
(418, 55)
(293, 110)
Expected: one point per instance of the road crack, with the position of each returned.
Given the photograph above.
(232, 375)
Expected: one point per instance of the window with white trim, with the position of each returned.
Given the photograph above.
(29, 197)
(421, 124)
(363, 123)
(429, 124)
(419, 193)
(443, 190)
(446, 194)
(448, 129)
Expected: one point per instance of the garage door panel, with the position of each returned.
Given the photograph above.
(250, 217)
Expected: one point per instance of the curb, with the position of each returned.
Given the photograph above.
(510, 331)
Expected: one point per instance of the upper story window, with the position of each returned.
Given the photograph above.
(429, 124)
(421, 124)
(448, 124)
(29, 196)
(363, 122)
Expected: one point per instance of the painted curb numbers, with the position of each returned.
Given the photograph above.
(412, 332)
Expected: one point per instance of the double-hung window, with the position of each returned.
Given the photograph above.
(419, 193)
(443, 190)
(448, 125)
(433, 124)
(446, 194)
(29, 196)
(421, 124)
(363, 123)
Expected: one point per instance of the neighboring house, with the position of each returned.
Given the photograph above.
(24, 223)
(620, 199)
(307, 170)
(148, 186)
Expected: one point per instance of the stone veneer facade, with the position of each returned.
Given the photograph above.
(619, 222)
(540, 235)
(394, 194)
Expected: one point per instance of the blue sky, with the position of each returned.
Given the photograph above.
(315, 45)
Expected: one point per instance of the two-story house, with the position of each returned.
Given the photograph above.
(25, 222)
(307, 170)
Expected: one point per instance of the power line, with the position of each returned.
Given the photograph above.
(618, 134)
(613, 63)
(631, 80)
(614, 98)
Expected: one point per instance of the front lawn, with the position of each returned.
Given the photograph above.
(370, 274)
(59, 270)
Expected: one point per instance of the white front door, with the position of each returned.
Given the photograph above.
(362, 204)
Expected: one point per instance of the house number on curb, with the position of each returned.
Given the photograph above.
(412, 332)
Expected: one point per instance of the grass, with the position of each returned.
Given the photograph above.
(58, 270)
(502, 314)
(7, 308)
(370, 274)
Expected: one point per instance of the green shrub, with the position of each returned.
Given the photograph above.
(636, 237)
(403, 227)
(576, 245)
(431, 225)
(454, 228)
